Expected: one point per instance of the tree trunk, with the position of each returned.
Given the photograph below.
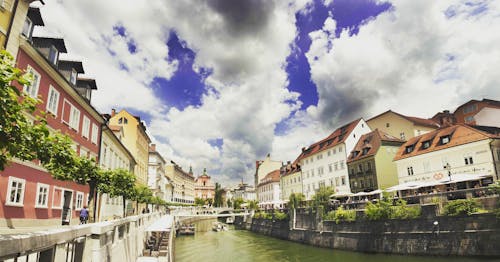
(124, 206)
(92, 202)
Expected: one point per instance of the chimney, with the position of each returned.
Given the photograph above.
(288, 162)
(152, 147)
(303, 149)
(113, 112)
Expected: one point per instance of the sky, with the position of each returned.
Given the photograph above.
(222, 83)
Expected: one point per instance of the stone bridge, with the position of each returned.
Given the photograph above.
(209, 212)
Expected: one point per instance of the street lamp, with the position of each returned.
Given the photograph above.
(448, 167)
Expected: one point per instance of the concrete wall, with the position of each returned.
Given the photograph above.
(118, 240)
(476, 235)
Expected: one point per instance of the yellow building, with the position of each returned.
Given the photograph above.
(135, 140)
(14, 23)
(184, 183)
(290, 180)
(401, 126)
(264, 167)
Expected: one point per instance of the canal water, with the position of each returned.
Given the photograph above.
(242, 245)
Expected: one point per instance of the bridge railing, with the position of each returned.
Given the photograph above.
(121, 239)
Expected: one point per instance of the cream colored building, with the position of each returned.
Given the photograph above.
(290, 180)
(264, 167)
(114, 155)
(183, 183)
(14, 23)
(459, 149)
(488, 116)
(158, 181)
(268, 191)
(324, 163)
(401, 126)
(135, 140)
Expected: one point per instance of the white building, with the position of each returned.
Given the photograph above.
(488, 116)
(264, 167)
(324, 162)
(245, 192)
(458, 149)
(158, 182)
(268, 191)
(114, 155)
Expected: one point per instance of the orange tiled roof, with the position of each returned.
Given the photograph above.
(415, 120)
(273, 176)
(370, 143)
(460, 134)
(290, 169)
(337, 137)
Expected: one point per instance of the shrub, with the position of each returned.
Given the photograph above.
(378, 211)
(278, 215)
(403, 211)
(341, 215)
(461, 207)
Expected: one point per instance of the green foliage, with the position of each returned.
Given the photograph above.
(295, 200)
(402, 211)
(218, 201)
(494, 188)
(278, 215)
(461, 207)
(341, 215)
(263, 215)
(238, 202)
(253, 204)
(199, 201)
(142, 194)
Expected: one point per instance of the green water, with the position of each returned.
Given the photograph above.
(242, 245)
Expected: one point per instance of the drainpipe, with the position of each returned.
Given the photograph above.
(11, 21)
(103, 126)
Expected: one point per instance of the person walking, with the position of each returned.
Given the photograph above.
(84, 215)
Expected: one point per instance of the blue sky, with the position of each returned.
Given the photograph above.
(222, 83)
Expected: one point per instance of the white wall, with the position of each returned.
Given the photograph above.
(488, 117)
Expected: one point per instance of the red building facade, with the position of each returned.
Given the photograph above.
(28, 193)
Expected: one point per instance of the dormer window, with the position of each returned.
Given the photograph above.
(122, 120)
(409, 149)
(365, 150)
(426, 144)
(445, 140)
(53, 55)
(73, 76)
(27, 28)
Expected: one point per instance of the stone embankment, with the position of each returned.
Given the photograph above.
(476, 235)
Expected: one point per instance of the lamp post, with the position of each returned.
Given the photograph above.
(448, 167)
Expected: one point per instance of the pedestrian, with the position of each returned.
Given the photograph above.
(84, 215)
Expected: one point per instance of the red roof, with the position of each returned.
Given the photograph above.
(337, 137)
(273, 176)
(459, 134)
(368, 144)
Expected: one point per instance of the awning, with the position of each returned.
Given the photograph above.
(163, 224)
(455, 178)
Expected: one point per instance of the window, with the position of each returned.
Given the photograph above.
(79, 200)
(95, 129)
(53, 100)
(329, 153)
(53, 55)
(469, 119)
(426, 144)
(27, 27)
(86, 127)
(330, 168)
(336, 165)
(360, 168)
(365, 150)
(445, 140)
(42, 195)
(123, 120)
(387, 125)
(74, 118)
(468, 160)
(83, 152)
(334, 151)
(343, 180)
(340, 149)
(402, 136)
(73, 76)
(410, 170)
(470, 109)
(15, 192)
(409, 149)
(320, 156)
(368, 166)
(32, 90)
(342, 166)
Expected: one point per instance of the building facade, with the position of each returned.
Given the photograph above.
(458, 149)
(324, 163)
(488, 116)
(401, 126)
(370, 163)
(264, 167)
(158, 181)
(204, 188)
(290, 180)
(268, 191)
(114, 155)
(31, 195)
(183, 183)
(465, 114)
(245, 192)
(135, 140)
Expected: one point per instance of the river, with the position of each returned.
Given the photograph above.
(242, 245)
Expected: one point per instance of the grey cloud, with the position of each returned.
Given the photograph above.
(243, 16)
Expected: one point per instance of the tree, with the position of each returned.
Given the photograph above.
(295, 199)
(142, 194)
(120, 183)
(218, 202)
(210, 201)
(237, 203)
(253, 204)
(322, 196)
(199, 201)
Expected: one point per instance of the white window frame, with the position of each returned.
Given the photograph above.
(37, 200)
(80, 196)
(52, 106)
(35, 86)
(95, 130)
(86, 127)
(53, 50)
(74, 118)
(30, 27)
(19, 203)
(73, 76)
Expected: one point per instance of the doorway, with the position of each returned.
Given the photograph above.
(66, 210)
